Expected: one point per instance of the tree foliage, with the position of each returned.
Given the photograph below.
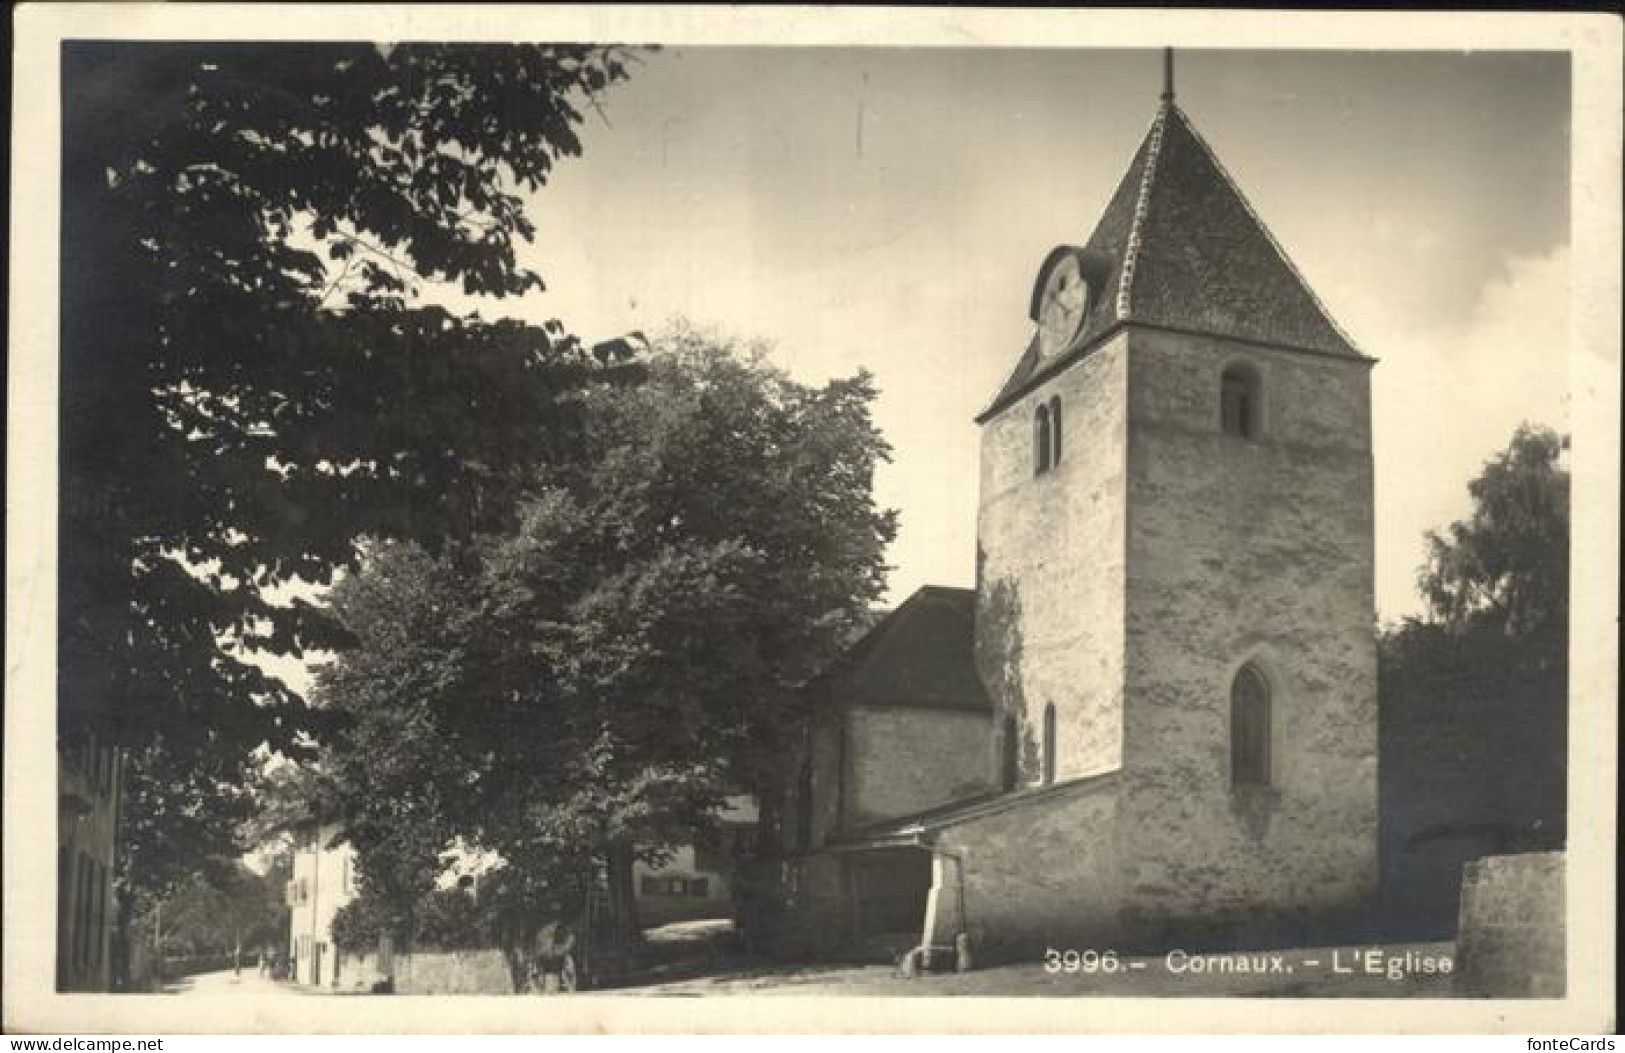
(1505, 568)
(249, 381)
(589, 684)
(231, 907)
(178, 819)
(1474, 695)
(247, 384)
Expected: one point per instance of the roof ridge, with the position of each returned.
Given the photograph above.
(978, 806)
(1269, 235)
(1142, 205)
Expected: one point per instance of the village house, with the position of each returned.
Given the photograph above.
(90, 774)
(1153, 722)
(697, 881)
(323, 881)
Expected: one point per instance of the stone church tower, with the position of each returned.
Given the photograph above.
(1154, 723)
(1175, 557)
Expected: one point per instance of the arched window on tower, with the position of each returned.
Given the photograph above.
(1249, 728)
(1010, 755)
(1041, 441)
(1049, 743)
(1240, 402)
(1055, 430)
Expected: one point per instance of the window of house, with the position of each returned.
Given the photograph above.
(1249, 728)
(1240, 402)
(1049, 743)
(664, 886)
(1010, 760)
(1041, 440)
(1055, 430)
(699, 888)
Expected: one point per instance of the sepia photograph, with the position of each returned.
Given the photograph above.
(518, 515)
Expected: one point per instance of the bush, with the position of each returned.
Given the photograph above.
(358, 924)
(449, 920)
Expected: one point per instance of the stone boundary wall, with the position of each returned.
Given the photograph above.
(483, 971)
(1510, 943)
(453, 972)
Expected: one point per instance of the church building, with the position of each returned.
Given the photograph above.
(1154, 721)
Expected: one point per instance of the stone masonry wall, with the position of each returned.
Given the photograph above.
(453, 972)
(1033, 876)
(1247, 550)
(1050, 569)
(1511, 938)
(356, 973)
(901, 761)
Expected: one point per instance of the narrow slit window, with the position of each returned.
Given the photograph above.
(1239, 403)
(1249, 729)
(1041, 441)
(1049, 743)
(1055, 430)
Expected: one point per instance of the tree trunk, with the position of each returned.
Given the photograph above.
(758, 889)
(623, 906)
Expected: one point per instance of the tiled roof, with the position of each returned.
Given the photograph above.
(1185, 251)
(921, 654)
(916, 829)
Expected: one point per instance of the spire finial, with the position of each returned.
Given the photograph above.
(1167, 75)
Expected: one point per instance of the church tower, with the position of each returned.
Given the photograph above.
(1174, 575)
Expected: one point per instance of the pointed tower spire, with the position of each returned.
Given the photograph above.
(1167, 76)
(1180, 248)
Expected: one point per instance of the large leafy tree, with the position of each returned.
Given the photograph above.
(1505, 568)
(238, 909)
(591, 683)
(1474, 694)
(249, 380)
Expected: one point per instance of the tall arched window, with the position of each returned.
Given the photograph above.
(1010, 758)
(1055, 429)
(1041, 441)
(1049, 743)
(1240, 402)
(1249, 728)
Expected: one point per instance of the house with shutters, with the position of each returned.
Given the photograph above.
(1153, 721)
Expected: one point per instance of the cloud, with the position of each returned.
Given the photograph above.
(1447, 397)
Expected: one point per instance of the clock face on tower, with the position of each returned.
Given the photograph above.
(1061, 306)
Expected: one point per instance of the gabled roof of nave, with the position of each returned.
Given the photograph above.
(1186, 251)
(921, 655)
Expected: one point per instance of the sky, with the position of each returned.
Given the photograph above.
(887, 209)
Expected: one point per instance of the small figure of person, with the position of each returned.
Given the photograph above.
(554, 970)
(237, 959)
